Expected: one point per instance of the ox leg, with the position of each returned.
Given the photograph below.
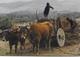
(49, 44)
(33, 47)
(46, 43)
(10, 45)
(24, 47)
(37, 47)
(20, 47)
(10, 49)
(24, 44)
(16, 48)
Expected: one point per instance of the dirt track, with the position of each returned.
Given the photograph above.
(72, 47)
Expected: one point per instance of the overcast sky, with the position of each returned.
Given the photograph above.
(10, 1)
(7, 6)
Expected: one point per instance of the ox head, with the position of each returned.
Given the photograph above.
(27, 33)
(23, 32)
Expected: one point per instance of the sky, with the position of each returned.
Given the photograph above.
(7, 6)
(10, 1)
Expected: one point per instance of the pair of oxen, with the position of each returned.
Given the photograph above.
(43, 29)
(35, 34)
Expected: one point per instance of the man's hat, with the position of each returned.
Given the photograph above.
(47, 3)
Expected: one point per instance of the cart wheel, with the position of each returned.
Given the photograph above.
(60, 37)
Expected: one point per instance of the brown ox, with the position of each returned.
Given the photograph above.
(39, 31)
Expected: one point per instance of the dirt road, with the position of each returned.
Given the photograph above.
(72, 47)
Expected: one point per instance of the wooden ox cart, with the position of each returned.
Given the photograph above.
(63, 25)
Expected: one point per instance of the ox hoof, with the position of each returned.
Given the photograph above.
(37, 53)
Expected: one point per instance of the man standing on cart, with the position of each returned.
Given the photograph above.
(47, 9)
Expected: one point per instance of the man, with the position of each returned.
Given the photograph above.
(47, 8)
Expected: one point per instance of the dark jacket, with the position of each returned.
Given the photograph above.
(47, 8)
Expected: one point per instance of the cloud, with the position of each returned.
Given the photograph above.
(10, 1)
(60, 0)
(33, 5)
(4, 10)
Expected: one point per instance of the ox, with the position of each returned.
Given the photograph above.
(23, 33)
(14, 36)
(39, 31)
